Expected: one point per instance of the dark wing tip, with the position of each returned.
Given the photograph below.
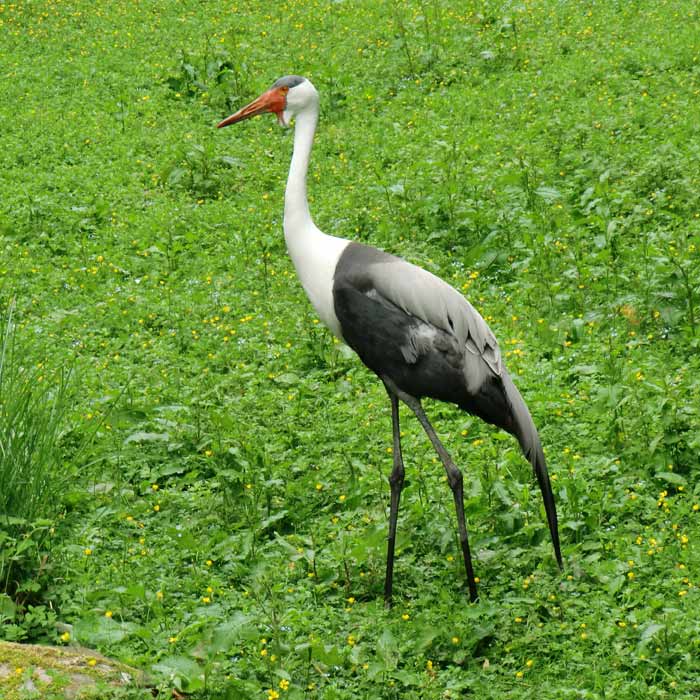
(540, 467)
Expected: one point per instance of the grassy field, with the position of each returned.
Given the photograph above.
(193, 475)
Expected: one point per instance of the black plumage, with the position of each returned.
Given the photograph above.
(416, 357)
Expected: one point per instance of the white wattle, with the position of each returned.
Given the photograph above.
(314, 254)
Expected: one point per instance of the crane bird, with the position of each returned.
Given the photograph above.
(420, 336)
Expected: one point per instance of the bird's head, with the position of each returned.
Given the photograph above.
(288, 96)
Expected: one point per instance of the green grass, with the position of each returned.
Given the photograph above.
(33, 408)
(226, 514)
(30, 421)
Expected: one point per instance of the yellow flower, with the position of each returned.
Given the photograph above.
(284, 684)
(455, 640)
(65, 637)
(108, 613)
(87, 551)
(405, 617)
(272, 694)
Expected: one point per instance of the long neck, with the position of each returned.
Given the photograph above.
(314, 254)
(296, 205)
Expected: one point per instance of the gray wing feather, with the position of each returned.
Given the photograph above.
(420, 293)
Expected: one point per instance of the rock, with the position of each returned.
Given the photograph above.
(32, 670)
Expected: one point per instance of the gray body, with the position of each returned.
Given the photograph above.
(422, 337)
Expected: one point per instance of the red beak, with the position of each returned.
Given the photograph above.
(274, 100)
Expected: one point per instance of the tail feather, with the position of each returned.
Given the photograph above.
(525, 431)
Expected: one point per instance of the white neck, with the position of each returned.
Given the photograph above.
(296, 206)
(314, 254)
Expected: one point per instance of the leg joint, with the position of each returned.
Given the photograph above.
(396, 476)
(454, 478)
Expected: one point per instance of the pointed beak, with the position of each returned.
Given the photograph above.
(274, 100)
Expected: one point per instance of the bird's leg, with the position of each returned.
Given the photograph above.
(454, 478)
(396, 484)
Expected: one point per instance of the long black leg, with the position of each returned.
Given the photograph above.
(396, 484)
(454, 478)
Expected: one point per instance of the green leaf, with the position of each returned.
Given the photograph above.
(229, 632)
(650, 631)
(672, 478)
(549, 194)
(387, 649)
(287, 379)
(502, 494)
(183, 671)
(327, 654)
(142, 436)
(615, 584)
(100, 630)
(7, 608)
